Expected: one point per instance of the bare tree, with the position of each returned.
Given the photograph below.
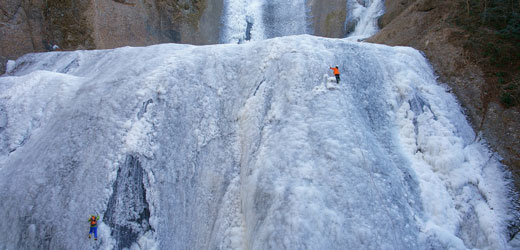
(485, 11)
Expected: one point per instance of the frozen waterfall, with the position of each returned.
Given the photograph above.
(254, 20)
(242, 147)
(362, 18)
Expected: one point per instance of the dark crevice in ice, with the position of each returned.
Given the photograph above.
(257, 87)
(128, 211)
(71, 66)
(417, 105)
(143, 109)
(3, 125)
(249, 21)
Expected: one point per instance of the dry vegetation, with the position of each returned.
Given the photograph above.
(494, 45)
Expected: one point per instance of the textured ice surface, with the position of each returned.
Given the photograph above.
(255, 20)
(242, 147)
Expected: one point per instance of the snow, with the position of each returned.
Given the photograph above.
(9, 66)
(243, 147)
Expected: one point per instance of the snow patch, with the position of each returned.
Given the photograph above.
(10, 66)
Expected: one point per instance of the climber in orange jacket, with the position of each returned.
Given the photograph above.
(336, 73)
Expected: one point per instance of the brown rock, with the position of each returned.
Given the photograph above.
(393, 10)
(115, 24)
(3, 64)
(66, 25)
(328, 18)
(36, 25)
(425, 5)
(15, 30)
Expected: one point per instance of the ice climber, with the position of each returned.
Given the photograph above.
(336, 73)
(93, 226)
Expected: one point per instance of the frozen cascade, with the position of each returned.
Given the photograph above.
(245, 20)
(285, 18)
(231, 149)
(242, 21)
(362, 18)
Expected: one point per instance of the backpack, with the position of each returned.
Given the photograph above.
(93, 222)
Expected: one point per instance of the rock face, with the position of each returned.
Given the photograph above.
(117, 24)
(19, 29)
(3, 64)
(45, 25)
(437, 29)
(328, 17)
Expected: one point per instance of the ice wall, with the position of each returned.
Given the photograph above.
(242, 147)
(254, 20)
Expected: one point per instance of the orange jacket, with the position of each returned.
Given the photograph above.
(336, 71)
